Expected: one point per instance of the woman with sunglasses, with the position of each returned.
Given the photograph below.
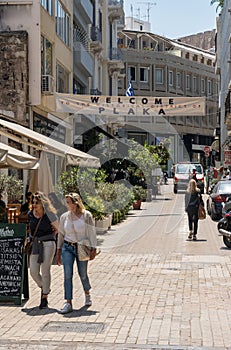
(43, 223)
(76, 225)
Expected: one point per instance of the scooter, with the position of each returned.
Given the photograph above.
(165, 176)
(224, 224)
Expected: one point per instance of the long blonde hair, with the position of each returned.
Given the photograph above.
(46, 203)
(192, 186)
(76, 199)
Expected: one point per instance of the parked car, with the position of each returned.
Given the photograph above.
(217, 196)
(184, 172)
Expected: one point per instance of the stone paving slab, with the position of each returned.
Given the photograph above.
(144, 297)
(32, 345)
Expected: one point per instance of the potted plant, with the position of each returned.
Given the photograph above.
(95, 205)
(14, 189)
(140, 195)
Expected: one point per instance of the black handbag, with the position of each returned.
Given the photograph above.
(29, 242)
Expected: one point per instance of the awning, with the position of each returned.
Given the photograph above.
(11, 157)
(41, 179)
(47, 144)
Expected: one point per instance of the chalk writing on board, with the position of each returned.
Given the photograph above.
(6, 232)
(11, 264)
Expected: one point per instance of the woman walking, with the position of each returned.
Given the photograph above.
(77, 225)
(192, 200)
(43, 224)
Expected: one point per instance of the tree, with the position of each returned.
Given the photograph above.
(143, 158)
(220, 4)
(161, 152)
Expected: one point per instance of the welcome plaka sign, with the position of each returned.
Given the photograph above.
(130, 105)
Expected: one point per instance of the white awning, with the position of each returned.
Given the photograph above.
(47, 144)
(11, 157)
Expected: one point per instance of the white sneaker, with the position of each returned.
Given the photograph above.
(88, 301)
(66, 309)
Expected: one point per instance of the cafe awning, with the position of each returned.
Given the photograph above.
(11, 157)
(40, 142)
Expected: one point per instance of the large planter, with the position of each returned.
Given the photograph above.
(137, 204)
(109, 221)
(102, 225)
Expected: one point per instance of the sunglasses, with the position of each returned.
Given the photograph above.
(36, 202)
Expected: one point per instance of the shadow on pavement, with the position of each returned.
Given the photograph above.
(198, 240)
(83, 311)
(35, 311)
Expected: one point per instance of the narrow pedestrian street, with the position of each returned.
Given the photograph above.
(151, 289)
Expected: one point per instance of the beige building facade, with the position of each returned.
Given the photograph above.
(158, 66)
(223, 70)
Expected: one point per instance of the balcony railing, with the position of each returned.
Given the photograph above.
(95, 92)
(115, 54)
(116, 3)
(96, 34)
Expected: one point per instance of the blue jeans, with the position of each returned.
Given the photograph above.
(69, 255)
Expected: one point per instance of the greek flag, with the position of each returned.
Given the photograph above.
(130, 91)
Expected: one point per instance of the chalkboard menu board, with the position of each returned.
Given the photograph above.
(12, 258)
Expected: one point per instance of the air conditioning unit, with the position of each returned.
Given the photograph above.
(47, 84)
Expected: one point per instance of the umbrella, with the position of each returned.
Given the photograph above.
(41, 179)
(11, 157)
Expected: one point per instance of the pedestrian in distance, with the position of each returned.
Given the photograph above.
(76, 225)
(192, 200)
(194, 175)
(25, 207)
(43, 223)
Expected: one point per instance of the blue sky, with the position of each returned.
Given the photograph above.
(175, 18)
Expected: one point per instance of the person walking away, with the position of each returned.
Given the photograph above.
(75, 226)
(43, 224)
(192, 199)
(194, 175)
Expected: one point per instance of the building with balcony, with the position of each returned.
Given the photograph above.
(158, 66)
(107, 21)
(45, 51)
(223, 70)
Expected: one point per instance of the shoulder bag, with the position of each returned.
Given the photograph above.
(29, 242)
(85, 251)
(201, 209)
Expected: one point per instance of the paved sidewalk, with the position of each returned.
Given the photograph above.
(142, 298)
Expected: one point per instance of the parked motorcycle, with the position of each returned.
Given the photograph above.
(224, 225)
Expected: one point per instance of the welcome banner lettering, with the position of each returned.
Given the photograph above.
(130, 106)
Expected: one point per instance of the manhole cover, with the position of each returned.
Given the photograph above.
(79, 327)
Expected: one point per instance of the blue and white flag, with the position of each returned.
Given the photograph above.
(130, 91)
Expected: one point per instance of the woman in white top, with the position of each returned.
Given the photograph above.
(76, 225)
